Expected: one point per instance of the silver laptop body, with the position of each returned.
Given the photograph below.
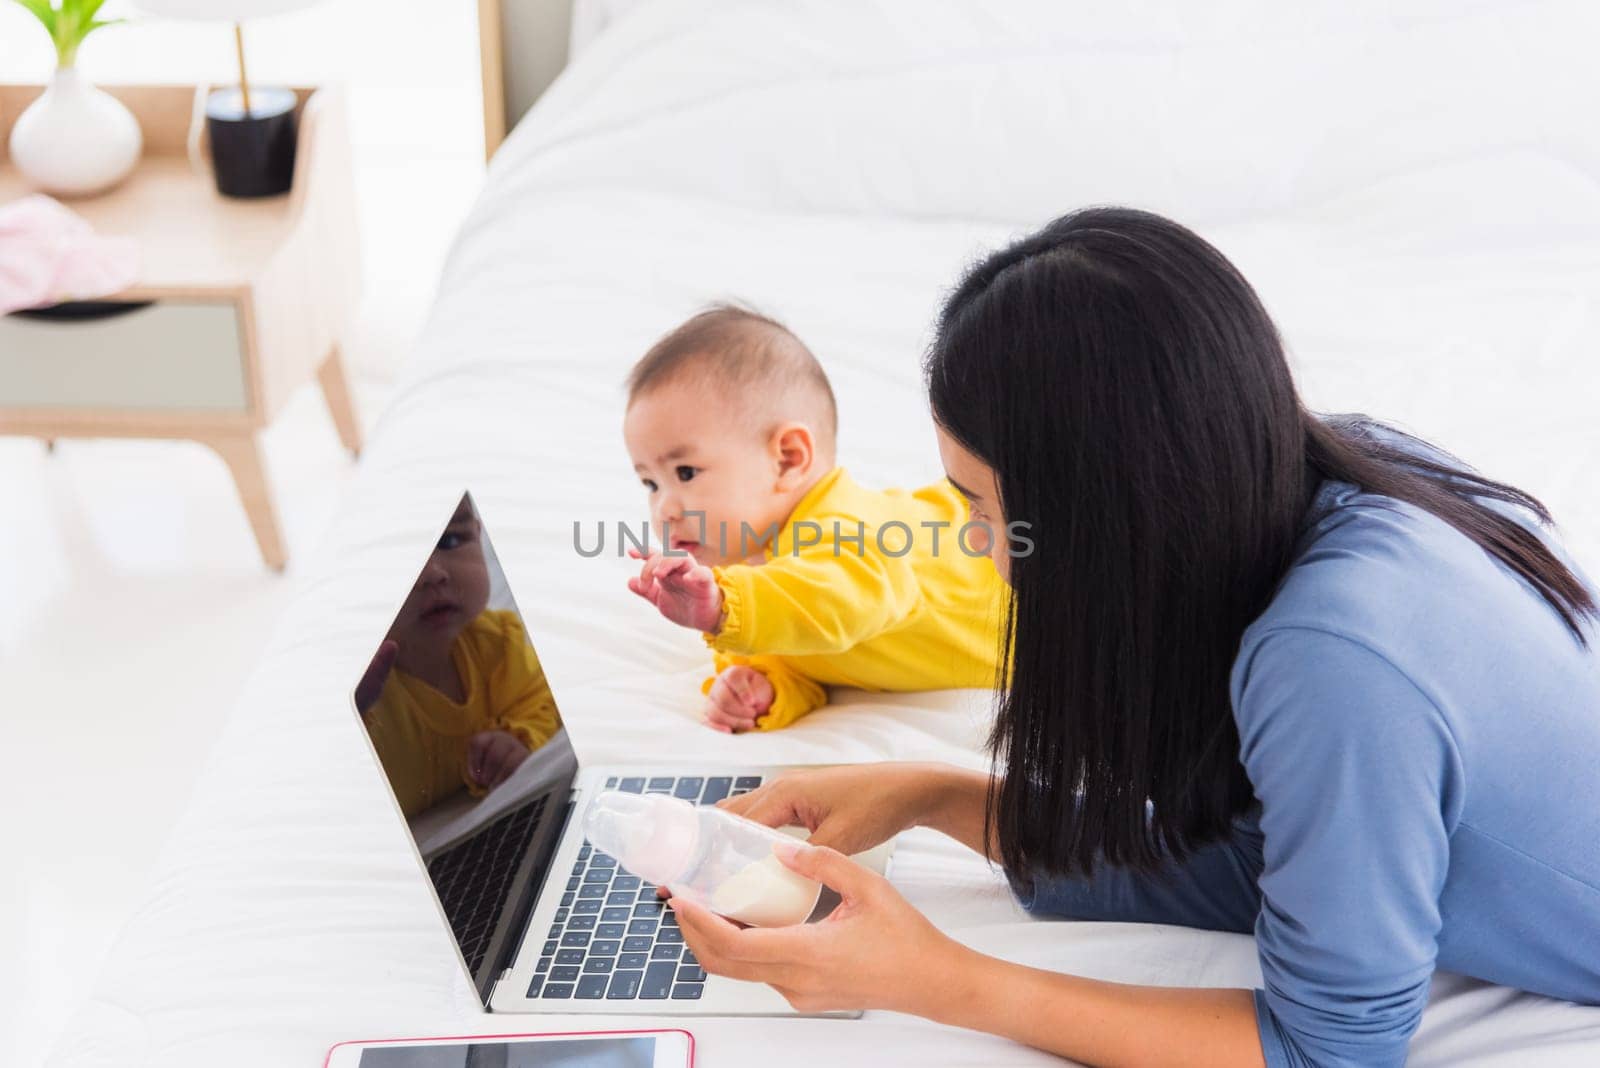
(540, 921)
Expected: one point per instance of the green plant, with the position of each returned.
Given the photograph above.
(68, 22)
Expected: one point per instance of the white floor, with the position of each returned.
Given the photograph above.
(132, 599)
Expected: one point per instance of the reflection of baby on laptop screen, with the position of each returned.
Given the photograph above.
(455, 696)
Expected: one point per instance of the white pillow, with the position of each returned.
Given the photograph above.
(1224, 111)
(591, 18)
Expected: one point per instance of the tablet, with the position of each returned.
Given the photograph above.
(583, 1049)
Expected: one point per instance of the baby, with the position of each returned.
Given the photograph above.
(455, 696)
(798, 577)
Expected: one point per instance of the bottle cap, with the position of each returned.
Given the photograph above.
(651, 835)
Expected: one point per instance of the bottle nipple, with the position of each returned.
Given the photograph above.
(651, 835)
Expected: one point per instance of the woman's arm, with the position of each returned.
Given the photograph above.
(824, 966)
(956, 803)
(1361, 787)
(1096, 1022)
(877, 952)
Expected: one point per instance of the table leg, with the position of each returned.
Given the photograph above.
(336, 390)
(242, 453)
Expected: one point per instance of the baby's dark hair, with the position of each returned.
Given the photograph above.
(730, 346)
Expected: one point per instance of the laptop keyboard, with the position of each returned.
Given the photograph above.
(612, 938)
(473, 878)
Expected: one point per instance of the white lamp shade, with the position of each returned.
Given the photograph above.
(221, 10)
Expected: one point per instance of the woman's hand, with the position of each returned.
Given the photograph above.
(858, 806)
(874, 951)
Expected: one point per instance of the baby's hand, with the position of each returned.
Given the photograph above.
(740, 696)
(492, 756)
(682, 590)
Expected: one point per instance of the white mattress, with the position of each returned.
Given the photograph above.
(1413, 189)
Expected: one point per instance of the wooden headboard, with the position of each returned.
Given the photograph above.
(523, 46)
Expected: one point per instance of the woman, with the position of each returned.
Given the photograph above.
(1269, 673)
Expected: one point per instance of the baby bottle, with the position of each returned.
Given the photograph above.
(711, 857)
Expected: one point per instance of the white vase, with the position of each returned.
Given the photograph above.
(75, 139)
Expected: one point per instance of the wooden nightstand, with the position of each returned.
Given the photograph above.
(240, 302)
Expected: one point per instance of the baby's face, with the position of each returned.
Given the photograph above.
(694, 454)
(451, 592)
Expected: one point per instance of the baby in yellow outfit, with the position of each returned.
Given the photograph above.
(798, 577)
(455, 696)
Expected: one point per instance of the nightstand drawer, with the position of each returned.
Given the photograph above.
(170, 355)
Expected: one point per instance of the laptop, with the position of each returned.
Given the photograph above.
(469, 738)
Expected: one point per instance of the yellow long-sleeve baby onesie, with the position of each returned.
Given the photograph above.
(421, 735)
(838, 603)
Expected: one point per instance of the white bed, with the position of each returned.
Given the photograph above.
(1429, 244)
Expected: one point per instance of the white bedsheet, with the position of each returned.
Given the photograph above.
(1430, 243)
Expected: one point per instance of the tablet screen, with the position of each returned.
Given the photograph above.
(622, 1052)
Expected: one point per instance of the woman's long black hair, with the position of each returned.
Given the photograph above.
(1132, 396)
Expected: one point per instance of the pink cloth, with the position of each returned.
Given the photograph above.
(49, 254)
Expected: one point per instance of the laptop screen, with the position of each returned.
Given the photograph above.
(470, 739)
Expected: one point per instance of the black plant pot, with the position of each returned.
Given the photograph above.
(252, 154)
